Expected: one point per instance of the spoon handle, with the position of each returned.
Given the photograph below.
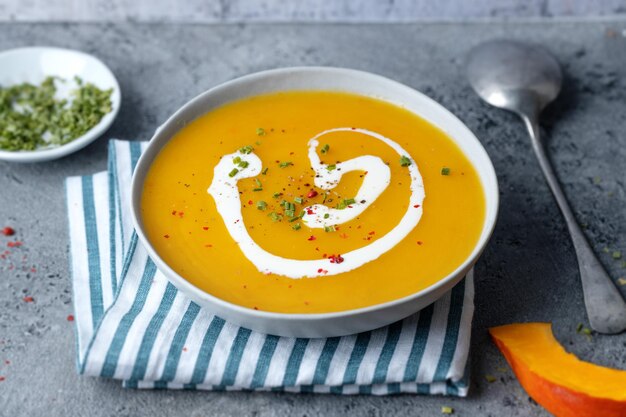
(606, 308)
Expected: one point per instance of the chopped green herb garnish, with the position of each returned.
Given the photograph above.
(326, 215)
(264, 172)
(405, 161)
(29, 113)
(290, 213)
(329, 228)
(324, 199)
(616, 254)
(275, 217)
(257, 189)
(296, 226)
(244, 164)
(586, 331)
(325, 148)
(260, 131)
(233, 172)
(579, 327)
(261, 205)
(298, 200)
(276, 195)
(490, 378)
(341, 205)
(257, 143)
(331, 167)
(285, 164)
(445, 171)
(236, 160)
(294, 218)
(258, 183)
(349, 201)
(246, 149)
(447, 410)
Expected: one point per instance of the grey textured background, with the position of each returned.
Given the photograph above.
(528, 271)
(300, 10)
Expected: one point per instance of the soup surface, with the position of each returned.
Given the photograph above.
(311, 202)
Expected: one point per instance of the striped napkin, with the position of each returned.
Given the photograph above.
(133, 325)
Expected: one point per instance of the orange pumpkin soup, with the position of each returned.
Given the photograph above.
(312, 202)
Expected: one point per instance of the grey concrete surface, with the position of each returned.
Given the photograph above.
(528, 271)
(303, 11)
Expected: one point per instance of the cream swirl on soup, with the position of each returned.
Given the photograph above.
(225, 192)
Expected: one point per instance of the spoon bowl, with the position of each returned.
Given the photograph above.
(513, 75)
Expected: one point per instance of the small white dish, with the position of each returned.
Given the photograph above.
(33, 65)
(326, 79)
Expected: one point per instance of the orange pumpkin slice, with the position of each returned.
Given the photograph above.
(559, 381)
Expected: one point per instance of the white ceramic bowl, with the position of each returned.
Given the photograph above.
(33, 65)
(334, 79)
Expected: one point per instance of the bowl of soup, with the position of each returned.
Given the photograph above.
(314, 201)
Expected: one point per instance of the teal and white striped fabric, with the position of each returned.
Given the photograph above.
(133, 325)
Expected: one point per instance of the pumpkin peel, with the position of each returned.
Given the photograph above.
(559, 381)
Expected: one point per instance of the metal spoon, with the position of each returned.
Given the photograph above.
(524, 78)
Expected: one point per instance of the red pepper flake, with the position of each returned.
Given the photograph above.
(8, 231)
(166, 236)
(343, 236)
(353, 128)
(309, 212)
(70, 317)
(181, 214)
(319, 271)
(7, 362)
(256, 308)
(372, 232)
(33, 270)
(311, 237)
(2, 378)
(28, 299)
(15, 244)
(417, 206)
(419, 242)
(208, 246)
(250, 202)
(205, 228)
(335, 259)
(185, 349)
(312, 194)
(174, 212)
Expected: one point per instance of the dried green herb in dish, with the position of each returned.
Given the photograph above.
(32, 117)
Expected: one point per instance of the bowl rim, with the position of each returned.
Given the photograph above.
(187, 287)
(55, 152)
